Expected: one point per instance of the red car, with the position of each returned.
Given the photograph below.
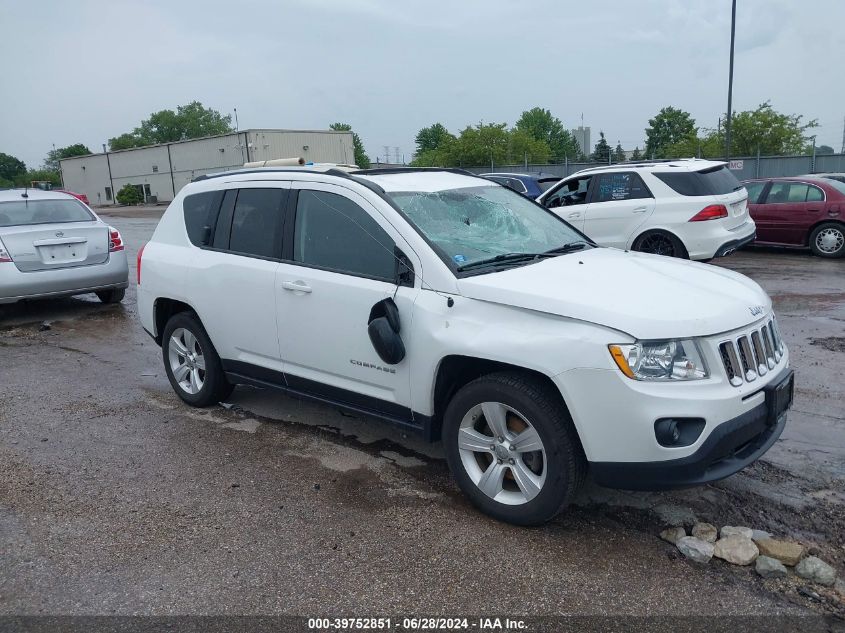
(800, 211)
(80, 196)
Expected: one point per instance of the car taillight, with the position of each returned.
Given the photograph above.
(711, 212)
(115, 241)
(4, 254)
(138, 267)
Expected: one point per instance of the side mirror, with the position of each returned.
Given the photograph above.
(383, 328)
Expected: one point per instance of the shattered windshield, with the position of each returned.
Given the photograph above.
(476, 223)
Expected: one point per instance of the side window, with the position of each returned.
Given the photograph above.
(517, 185)
(198, 216)
(621, 186)
(797, 192)
(257, 222)
(333, 232)
(571, 192)
(814, 194)
(754, 190)
(778, 193)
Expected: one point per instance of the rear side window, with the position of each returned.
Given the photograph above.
(257, 223)
(198, 216)
(814, 194)
(333, 232)
(716, 181)
(621, 186)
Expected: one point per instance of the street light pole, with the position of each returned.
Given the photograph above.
(730, 84)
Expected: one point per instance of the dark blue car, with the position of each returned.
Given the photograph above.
(529, 185)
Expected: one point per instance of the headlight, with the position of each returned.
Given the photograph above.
(660, 360)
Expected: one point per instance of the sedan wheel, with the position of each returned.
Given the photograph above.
(828, 240)
(187, 361)
(502, 453)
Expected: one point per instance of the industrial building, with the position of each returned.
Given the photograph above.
(582, 137)
(160, 171)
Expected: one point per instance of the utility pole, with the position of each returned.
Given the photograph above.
(842, 151)
(111, 182)
(813, 160)
(730, 84)
(237, 127)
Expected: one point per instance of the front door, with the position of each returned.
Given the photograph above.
(570, 200)
(340, 260)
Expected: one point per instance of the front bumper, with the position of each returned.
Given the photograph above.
(731, 446)
(43, 284)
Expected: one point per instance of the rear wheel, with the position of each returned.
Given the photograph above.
(112, 296)
(512, 448)
(192, 365)
(660, 243)
(828, 240)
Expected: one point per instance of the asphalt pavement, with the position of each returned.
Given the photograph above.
(116, 498)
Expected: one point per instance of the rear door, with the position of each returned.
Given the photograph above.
(619, 204)
(789, 209)
(231, 278)
(52, 234)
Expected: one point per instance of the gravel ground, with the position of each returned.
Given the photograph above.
(115, 498)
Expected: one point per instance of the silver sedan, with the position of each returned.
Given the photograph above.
(53, 245)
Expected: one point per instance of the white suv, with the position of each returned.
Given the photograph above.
(694, 209)
(457, 308)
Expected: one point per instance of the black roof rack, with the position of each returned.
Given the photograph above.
(295, 170)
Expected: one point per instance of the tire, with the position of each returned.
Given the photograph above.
(112, 296)
(198, 379)
(550, 475)
(660, 243)
(828, 240)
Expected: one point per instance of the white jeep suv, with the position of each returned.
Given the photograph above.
(457, 308)
(693, 209)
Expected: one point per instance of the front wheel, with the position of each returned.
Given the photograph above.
(192, 365)
(512, 448)
(828, 240)
(660, 243)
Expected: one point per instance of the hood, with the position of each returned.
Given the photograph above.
(646, 296)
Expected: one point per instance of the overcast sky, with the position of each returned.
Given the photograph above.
(87, 70)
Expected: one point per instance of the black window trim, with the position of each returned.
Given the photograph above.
(227, 215)
(289, 238)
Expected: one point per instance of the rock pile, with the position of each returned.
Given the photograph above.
(743, 546)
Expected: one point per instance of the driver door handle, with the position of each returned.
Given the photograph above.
(640, 209)
(576, 214)
(296, 286)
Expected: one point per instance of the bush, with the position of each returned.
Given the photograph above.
(129, 194)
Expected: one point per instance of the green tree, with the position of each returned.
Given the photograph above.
(11, 168)
(38, 175)
(601, 154)
(824, 150)
(361, 158)
(129, 194)
(618, 153)
(166, 126)
(541, 125)
(668, 127)
(432, 137)
(636, 155)
(127, 140)
(774, 133)
(55, 155)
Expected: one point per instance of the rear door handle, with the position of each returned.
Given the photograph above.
(296, 286)
(640, 209)
(576, 214)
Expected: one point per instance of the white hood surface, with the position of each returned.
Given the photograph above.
(646, 296)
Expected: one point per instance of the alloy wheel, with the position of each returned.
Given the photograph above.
(502, 453)
(187, 361)
(657, 244)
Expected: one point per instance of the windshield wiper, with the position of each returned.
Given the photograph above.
(567, 248)
(518, 257)
(505, 257)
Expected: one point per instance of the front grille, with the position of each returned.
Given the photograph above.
(752, 354)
